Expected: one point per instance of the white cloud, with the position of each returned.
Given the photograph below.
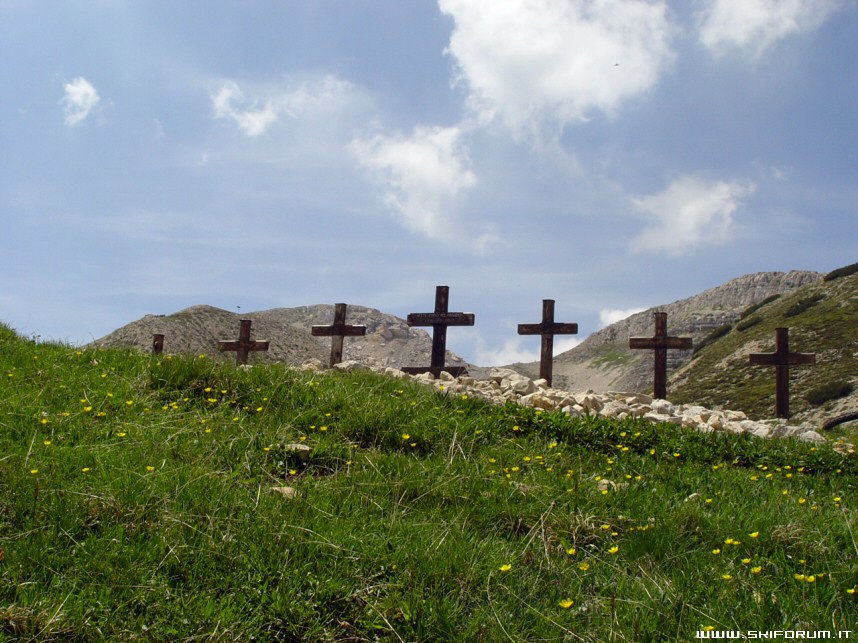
(79, 100)
(543, 64)
(690, 211)
(752, 26)
(423, 177)
(255, 115)
(608, 316)
(512, 351)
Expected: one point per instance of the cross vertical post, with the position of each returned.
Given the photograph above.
(157, 343)
(660, 343)
(547, 329)
(439, 320)
(781, 359)
(337, 332)
(244, 345)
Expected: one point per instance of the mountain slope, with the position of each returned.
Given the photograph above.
(196, 330)
(822, 318)
(604, 361)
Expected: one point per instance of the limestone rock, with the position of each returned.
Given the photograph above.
(286, 492)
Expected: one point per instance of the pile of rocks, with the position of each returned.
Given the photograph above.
(505, 385)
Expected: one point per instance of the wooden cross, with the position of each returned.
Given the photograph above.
(548, 329)
(439, 320)
(244, 345)
(337, 331)
(782, 359)
(660, 343)
(157, 343)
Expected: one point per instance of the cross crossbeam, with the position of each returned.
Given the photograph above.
(548, 328)
(337, 331)
(244, 345)
(660, 343)
(782, 359)
(439, 320)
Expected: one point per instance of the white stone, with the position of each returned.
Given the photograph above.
(301, 450)
(544, 402)
(613, 409)
(663, 407)
(312, 365)
(591, 403)
(351, 365)
(811, 436)
(286, 492)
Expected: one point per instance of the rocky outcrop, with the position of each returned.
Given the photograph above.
(604, 361)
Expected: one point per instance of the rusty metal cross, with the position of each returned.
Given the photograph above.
(547, 329)
(244, 345)
(337, 331)
(782, 359)
(660, 343)
(439, 320)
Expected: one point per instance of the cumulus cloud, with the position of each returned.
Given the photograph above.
(752, 26)
(79, 100)
(543, 64)
(254, 115)
(690, 211)
(423, 177)
(512, 351)
(608, 316)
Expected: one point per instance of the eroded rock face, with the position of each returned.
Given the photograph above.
(505, 385)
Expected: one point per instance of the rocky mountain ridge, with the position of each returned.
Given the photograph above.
(389, 341)
(604, 362)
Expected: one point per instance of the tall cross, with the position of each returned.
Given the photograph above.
(548, 329)
(439, 320)
(157, 343)
(337, 331)
(244, 344)
(660, 343)
(782, 359)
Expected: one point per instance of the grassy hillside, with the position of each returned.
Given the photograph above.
(822, 318)
(146, 499)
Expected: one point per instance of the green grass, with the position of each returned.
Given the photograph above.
(136, 503)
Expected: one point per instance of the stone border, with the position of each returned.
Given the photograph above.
(506, 385)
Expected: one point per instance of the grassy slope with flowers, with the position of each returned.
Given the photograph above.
(136, 503)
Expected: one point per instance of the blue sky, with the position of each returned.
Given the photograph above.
(611, 155)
